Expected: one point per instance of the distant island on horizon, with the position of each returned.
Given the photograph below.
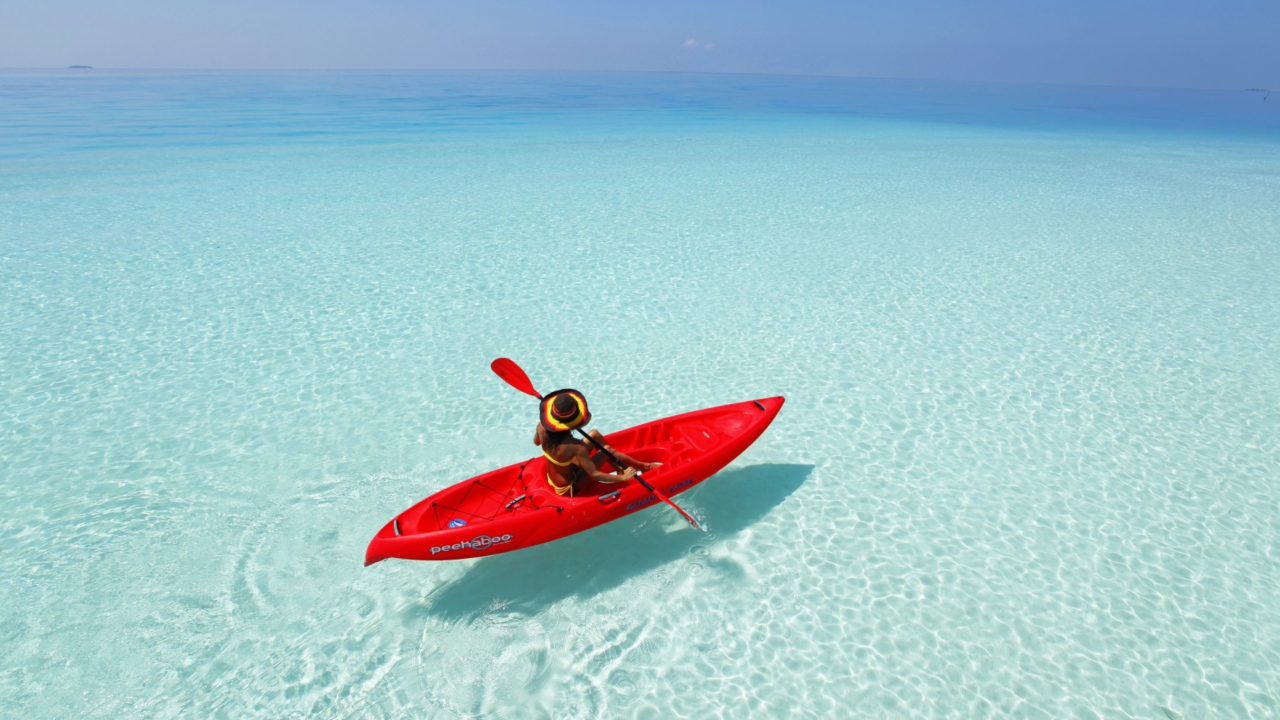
(79, 67)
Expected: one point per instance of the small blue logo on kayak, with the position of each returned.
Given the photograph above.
(479, 542)
(651, 497)
(679, 486)
(641, 502)
(457, 523)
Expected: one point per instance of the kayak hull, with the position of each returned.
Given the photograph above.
(514, 507)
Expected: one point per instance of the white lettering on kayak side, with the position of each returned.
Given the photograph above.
(479, 542)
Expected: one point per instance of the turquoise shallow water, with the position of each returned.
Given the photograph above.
(1029, 337)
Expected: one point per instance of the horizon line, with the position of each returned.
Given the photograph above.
(143, 70)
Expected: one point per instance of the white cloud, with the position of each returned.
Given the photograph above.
(690, 44)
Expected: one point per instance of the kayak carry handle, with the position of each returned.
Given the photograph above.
(757, 404)
(513, 503)
(609, 497)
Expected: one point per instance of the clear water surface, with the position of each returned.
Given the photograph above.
(1030, 339)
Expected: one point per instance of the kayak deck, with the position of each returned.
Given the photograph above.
(515, 507)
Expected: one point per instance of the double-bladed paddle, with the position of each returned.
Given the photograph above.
(508, 370)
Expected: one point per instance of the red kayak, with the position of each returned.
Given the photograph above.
(515, 507)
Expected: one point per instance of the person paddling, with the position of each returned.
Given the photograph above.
(569, 460)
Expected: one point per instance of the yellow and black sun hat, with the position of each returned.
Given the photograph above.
(563, 410)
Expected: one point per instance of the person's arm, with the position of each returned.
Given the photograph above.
(538, 435)
(626, 460)
(583, 460)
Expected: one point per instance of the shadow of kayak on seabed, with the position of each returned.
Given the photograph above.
(583, 565)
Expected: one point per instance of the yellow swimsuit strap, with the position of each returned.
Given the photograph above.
(566, 490)
(554, 461)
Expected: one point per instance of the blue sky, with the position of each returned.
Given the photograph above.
(1224, 44)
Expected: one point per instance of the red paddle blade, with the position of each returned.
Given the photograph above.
(668, 501)
(508, 370)
(686, 515)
